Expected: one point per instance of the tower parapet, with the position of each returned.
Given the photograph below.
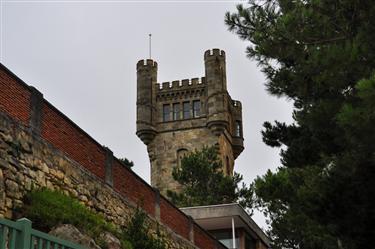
(181, 84)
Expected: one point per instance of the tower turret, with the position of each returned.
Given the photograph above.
(237, 132)
(214, 61)
(146, 79)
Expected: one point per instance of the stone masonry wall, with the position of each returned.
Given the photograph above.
(167, 127)
(41, 147)
(163, 153)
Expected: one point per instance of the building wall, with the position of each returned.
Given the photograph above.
(41, 147)
(214, 126)
(163, 152)
(226, 152)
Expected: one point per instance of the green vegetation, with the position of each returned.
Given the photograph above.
(203, 182)
(49, 208)
(320, 54)
(126, 162)
(138, 233)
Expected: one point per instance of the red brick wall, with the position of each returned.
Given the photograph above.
(120, 177)
(15, 97)
(130, 185)
(63, 134)
(173, 218)
(202, 239)
(66, 136)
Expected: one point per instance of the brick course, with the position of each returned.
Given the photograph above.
(15, 96)
(174, 218)
(64, 135)
(201, 238)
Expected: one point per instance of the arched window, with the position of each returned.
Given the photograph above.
(181, 153)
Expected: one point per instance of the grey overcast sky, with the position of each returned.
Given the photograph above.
(82, 54)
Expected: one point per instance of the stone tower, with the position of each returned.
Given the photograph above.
(175, 118)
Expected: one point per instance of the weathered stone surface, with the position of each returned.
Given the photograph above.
(7, 138)
(83, 198)
(8, 203)
(57, 173)
(2, 191)
(110, 241)
(3, 163)
(25, 146)
(27, 183)
(71, 233)
(12, 189)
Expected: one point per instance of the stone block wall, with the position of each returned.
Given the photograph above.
(166, 131)
(163, 153)
(41, 147)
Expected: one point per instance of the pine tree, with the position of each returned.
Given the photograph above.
(203, 182)
(320, 54)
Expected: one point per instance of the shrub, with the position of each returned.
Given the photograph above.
(49, 208)
(138, 233)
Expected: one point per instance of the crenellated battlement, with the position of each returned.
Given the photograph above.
(213, 53)
(181, 84)
(147, 63)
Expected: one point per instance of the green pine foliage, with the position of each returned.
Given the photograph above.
(203, 182)
(320, 54)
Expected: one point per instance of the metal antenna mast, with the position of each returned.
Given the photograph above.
(149, 44)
